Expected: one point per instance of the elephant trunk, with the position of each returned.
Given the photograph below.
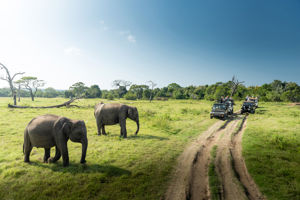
(84, 148)
(138, 127)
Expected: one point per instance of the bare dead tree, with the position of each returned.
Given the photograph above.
(10, 80)
(122, 86)
(234, 85)
(151, 86)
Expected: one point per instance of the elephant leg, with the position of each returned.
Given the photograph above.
(99, 125)
(64, 152)
(103, 130)
(56, 157)
(47, 155)
(27, 150)
(123, 128)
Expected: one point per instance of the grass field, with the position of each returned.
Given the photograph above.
(271, 147)
(135, 168)
(140, 167)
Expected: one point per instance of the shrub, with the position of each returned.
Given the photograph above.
(130, 96)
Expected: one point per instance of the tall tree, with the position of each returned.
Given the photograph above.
(10, 80)
(152, 85)
(19, 85)
(234, 85)
(32, 84)
(94, 92)
(79, 89)
(122, 86)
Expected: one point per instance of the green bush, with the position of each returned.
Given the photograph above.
(130, 96)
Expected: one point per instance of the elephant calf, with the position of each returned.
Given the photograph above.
(47, 131)
(115, 113)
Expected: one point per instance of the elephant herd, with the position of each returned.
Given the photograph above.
(47, 131)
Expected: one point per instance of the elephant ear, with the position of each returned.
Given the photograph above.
(130, 111)
(64, 125)
(66, 128)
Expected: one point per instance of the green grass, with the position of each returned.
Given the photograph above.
(135, 168)
(140, 167)
(271, 147)
(214, 182)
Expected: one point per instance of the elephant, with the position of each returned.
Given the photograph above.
(47, 131)
(115, 113)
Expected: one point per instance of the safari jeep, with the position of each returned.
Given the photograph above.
(219, 110)
(248, 107)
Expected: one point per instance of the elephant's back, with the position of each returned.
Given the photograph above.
(109, 113)
(40, 130)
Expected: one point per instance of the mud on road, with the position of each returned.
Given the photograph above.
(191, 181)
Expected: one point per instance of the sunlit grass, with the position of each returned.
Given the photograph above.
(271, 147)
(135, 168)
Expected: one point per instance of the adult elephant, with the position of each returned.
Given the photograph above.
(115, 113)
(47, 131)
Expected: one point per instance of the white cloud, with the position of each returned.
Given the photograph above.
(101, 22)
(72, 51)
(127, 34)
(131, 38)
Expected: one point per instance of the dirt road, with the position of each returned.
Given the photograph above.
(191, 180)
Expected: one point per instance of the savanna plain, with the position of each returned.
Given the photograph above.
(140, 167)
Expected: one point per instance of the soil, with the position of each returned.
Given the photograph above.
(190, 180)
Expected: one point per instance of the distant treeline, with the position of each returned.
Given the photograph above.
(275, 91)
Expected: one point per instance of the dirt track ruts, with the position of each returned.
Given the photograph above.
(190, 180)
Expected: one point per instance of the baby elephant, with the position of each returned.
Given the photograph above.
(47, 131)
(114, 113)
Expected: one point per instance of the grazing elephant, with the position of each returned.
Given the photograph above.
(47, 131)
(114, 113)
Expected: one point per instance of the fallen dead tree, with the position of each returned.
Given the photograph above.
(67, 104)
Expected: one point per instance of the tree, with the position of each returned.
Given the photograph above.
(94, 92)
(234, 85)
(19, 85)
(31, 84)
(50, 93)
(122, 86)
(152, 85)
(10, 80)
(138, 90)
(79, 89)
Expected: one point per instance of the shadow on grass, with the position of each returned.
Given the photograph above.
(143, 137)
(77, 168)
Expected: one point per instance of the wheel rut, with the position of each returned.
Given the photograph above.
(191, 181)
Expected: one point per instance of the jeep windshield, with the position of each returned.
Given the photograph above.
(219, 107)
(248, 104)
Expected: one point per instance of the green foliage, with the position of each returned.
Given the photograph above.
(94, 92)
(130, 96)
(79, 89)
(276, 91)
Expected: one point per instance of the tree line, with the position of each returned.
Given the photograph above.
(29, 86)
(275, 91)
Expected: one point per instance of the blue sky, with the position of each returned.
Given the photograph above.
(192, 42)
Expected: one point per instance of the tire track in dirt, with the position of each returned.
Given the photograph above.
(230, 187)
(191, 181)
(239, 165)
(179, 186)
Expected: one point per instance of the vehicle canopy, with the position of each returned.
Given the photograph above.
(248, 103)
(219, 106)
